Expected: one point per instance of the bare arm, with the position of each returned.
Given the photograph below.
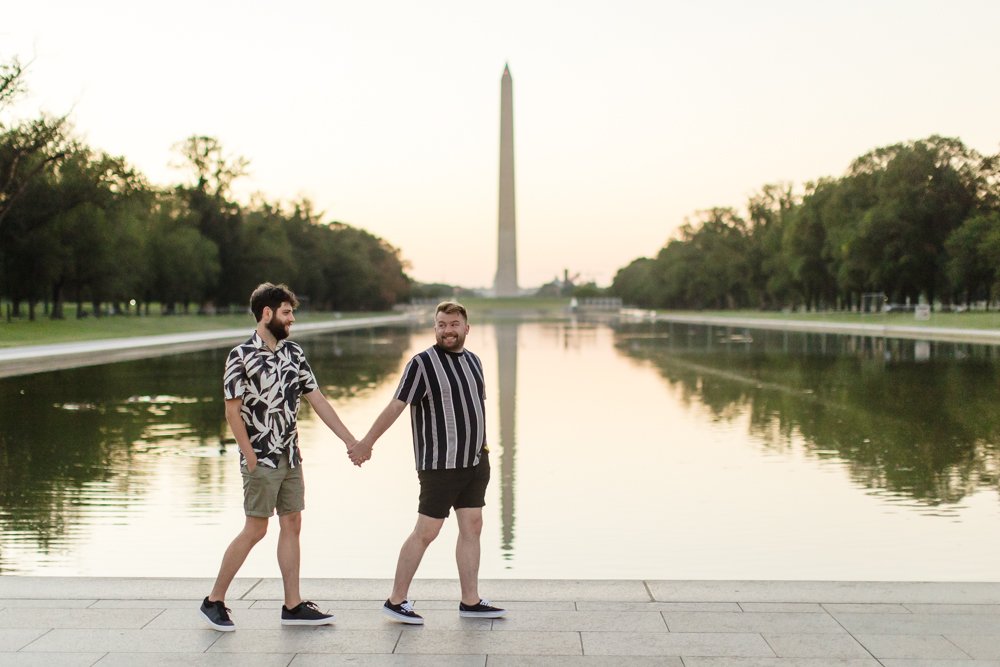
(363, 450)
(329, 416)
(239, 429)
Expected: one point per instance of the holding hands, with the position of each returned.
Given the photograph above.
(360, 451)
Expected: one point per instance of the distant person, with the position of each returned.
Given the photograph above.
(445, 389)
(263, 382)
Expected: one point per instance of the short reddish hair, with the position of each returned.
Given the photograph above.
(450, 308)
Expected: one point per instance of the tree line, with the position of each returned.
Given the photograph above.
(80, 226)
(914, 221)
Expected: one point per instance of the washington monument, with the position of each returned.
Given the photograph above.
(505, 283)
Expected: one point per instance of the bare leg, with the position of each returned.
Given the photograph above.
(470, 527)
(253, 532)
(289, 555)
(411, 553)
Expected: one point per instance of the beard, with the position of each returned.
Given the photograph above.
(278, 329)
(451, 343)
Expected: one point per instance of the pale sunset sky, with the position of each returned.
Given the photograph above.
(629, 116)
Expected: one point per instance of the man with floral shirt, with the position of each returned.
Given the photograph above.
(263, 382)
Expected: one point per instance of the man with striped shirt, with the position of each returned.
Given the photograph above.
(445, 389)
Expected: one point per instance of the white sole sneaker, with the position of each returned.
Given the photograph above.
(215, 626)
(483, 614)
(319, 621)
(409, 620)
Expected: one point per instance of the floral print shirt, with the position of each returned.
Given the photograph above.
(270, 384)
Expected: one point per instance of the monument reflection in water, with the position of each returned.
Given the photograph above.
(620, 451)
(506, 334)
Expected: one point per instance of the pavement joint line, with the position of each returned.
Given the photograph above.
(161, 613)
(250, 590)
(851, 635)
(768, 644)
(645, 583)
(21, 648)
(395, 645)
(948, 639)
(214, 641)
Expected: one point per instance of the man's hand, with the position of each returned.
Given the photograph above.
(360, 452)
(251, 462)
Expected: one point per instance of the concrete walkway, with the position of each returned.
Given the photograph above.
(879, 330)
(26, 359)
(103, 621)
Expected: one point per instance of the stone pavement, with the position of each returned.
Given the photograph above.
(108, 621)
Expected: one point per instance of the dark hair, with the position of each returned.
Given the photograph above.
(450, 308)
(269, 295)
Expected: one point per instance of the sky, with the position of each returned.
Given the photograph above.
(629, 116)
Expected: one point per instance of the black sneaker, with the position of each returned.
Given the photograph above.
(304, 613)
(402, 612)
(482, 609)
(216, 614)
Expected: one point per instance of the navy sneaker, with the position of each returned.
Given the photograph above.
(216, 614)
(305, 613)
(482, 609)
(402, 612)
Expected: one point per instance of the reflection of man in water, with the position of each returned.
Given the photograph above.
(445, 389)
(263, 382)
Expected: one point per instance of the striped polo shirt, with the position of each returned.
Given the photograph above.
(446, 393)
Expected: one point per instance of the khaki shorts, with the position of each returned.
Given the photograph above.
(268, 489)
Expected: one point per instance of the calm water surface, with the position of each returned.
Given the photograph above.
(622, 451)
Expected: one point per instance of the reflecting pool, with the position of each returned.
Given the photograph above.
(618, 451)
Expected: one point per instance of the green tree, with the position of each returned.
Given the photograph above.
(363, 271)
(769, 277)
(183, 264)
(723, 267)
(634, 284)
(27, 148)
(219, 217)
(99, 205)
(805, 252)
(30, 249)
(973, 250)
(921, 192)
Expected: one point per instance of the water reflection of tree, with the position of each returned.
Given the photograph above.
(914, 419)
(349, 364)
(75, 438)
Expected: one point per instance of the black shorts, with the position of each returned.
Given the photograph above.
(440, 490)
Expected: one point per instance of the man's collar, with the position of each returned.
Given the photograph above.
(260, 344)
(449, 352)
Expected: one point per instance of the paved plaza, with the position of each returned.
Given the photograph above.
(108, 621)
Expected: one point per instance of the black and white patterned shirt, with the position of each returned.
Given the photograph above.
(446, 393)
(270, 384)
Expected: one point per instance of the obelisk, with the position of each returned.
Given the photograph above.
(505, 283)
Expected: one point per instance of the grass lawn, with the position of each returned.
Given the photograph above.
(44, 331)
